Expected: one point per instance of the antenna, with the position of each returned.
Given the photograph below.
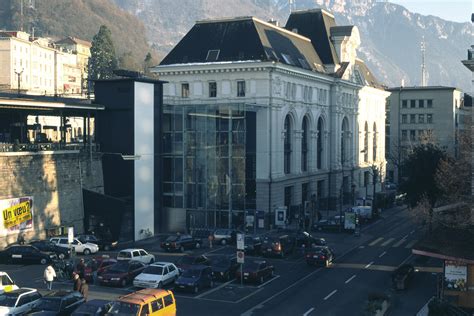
(423, 66)
(21, 15)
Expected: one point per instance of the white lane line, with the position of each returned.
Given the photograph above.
(382, 254)
(412, 232)
(214, 250)
(401, 241)
(350, 279)
(411, 244)
(271, 280)
(330, 294)
(376, 241)
(215, 289)
(308, 311)
(388, 241)
(371, 263)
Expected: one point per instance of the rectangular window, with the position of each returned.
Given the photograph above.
(429, 118)
(412, 118)
(421, 103)
(404, 119)
(413, 134)
(404, 104)
(212, 89)
(404, 135)
(421, 118)
(185, 90)
(412, 103)
(241, 88)
(429, 103)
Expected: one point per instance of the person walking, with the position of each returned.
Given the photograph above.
(80, 268)
(76, 283)
(49, 275)
(84, 290)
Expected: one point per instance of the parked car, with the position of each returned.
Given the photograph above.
(137, 255)
(121, 273)
(26, 254)
(187, 261)
(145, 302)
(224, 266)
(225, 236)
(403, 276)
(304, 238)
(77, 245)
(93, 308)
(103, 243)
(156, 275)
(6, 283)
(319, 255)
(46, 245)
(181, 243)
(328, 225)
(255, 271)
(19, 301)
(195, 278)
(252, 244)
(278, 245)
(58, 303)
(94, 266)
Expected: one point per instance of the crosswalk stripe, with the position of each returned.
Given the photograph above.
(387, 242)
(376, 241)
(401, 241)
(411, 244)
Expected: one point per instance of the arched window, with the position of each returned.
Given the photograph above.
(366, 142)
(287, 145)
(304, 144)
(344, 140)
(319, 149)
(374, 145)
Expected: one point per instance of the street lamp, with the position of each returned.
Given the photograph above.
(18, 74)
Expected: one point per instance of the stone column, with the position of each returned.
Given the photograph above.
(296, 151)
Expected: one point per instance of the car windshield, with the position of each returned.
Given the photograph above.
(49, 304)
(192, 273)
(118, 268)
(124, 254)
(154, 270)
(251, 266)
(220, 262)
(186, 260)
(122, 308)
(8, 300)
(172, 238)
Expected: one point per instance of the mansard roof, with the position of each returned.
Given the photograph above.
(243, 39)
(316, 24)
(368, 77)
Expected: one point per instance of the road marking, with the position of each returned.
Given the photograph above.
(401, 241)
(382, 254)
(271, 280)
(388, 241)
(411, 244)
(215, 289)
(350, 279)
(412, 232)
(330, 294)
(308, 311)
(214, 250)
(361, 247)
(376, 241)
(371, 263)
(247, 296)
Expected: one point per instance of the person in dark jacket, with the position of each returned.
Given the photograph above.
(76, 283)
(84, 289)
(80, 268)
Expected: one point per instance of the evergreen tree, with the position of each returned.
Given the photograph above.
(103, 60)
(147, 63)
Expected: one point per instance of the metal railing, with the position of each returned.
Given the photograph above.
(9, 147)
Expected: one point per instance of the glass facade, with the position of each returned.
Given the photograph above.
(209, 162)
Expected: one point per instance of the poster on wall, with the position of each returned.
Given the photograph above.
(17, 215)
(455, 276)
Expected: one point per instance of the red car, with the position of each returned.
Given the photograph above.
(255, 271)
(95, 265)
(121, 273)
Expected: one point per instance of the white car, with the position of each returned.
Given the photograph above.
(156, 275)
(79, 247)
(19, 301)
(7, 285)
(137, 255)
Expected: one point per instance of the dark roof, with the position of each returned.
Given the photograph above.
(345, 30)
(243, 39)
(367, 76)
(32, 102)
(315, 24)
(415, 88)
(74, 40)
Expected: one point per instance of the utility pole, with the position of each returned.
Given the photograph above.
(423, 66)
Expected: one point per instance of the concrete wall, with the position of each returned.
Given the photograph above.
(53, 180)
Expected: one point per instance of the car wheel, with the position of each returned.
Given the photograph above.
(123, 283)
(181, 249)
(160, 285)
(223, 242)
(43, 261)
(87, 252)
(196, 289)
(198, 245)
(61, 256)
(261, 280)
(106, 247)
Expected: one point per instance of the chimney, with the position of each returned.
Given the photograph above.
(274, 22)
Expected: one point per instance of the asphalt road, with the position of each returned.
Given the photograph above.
(363, 265)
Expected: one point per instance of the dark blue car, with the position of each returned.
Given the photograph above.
(93, 308)
(195, 278)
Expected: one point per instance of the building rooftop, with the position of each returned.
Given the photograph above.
(415, 88)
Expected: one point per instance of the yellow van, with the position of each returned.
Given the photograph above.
(152, 302)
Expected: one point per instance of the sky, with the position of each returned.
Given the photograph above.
(452, 10)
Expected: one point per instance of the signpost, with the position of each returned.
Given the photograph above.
(241, 255)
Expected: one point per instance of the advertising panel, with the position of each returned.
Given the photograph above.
(455, 276)
(17, 214)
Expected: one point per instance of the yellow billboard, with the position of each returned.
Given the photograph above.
(17, 214)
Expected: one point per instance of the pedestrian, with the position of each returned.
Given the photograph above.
(49, 275)
(84, 290)
(76, 282)
(80, 268)
(210, 238)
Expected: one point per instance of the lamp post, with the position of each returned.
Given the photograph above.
(18, 75)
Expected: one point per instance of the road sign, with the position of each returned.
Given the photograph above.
(240, 242)
(70, 235)
(240, 257)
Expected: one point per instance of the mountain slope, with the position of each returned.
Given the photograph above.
(391, 35)
(82, 19)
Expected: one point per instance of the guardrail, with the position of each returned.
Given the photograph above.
(8, 147)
